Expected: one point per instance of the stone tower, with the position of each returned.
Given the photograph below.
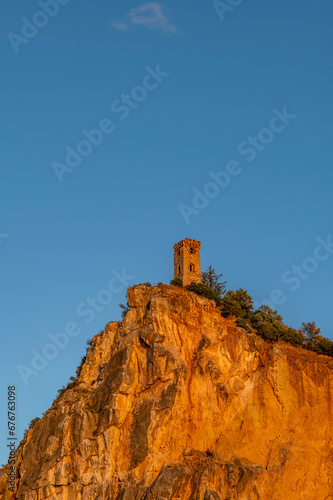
(187, 261)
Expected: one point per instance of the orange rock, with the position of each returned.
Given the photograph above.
(177, 402)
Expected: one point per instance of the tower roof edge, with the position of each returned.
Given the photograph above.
(187, 242)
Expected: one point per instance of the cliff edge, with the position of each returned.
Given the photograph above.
(176, 402)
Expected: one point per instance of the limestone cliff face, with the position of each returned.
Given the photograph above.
(176, 402)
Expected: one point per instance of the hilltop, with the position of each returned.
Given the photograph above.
(177, 402)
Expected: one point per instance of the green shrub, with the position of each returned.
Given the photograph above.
(79, 368)
(89, 344)
(125, 309)
(177, 282)
(236, 303)
(33, 422)
(268, 323)
(292, 336)
(62, 390)
(241, 322)
(323, 346)
(70, 385)
(205, 291)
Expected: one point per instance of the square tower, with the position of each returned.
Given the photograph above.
(187, 261)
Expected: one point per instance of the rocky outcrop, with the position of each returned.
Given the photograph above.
(176, 402)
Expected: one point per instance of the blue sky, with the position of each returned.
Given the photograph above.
(199, 85)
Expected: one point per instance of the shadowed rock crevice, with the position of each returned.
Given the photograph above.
(139, 431)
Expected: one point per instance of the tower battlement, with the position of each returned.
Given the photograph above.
(187, 261)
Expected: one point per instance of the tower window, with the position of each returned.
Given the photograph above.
(191, 250)
(192, 267)
(178, 269)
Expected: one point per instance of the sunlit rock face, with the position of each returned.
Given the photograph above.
(176, 402)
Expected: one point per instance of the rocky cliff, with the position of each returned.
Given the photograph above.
(176, 402)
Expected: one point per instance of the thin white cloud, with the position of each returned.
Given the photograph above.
(119, 26)
(151, 15)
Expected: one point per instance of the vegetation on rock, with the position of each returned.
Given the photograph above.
(242, 323)
(177, 282)
(212, 280)
(33, 422)
(238, 303)
(266, 323)
(70, 385)
(205, 291)
(125, 309)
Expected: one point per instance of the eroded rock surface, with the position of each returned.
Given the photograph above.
(178, 403)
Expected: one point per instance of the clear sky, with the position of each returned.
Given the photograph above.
(128, 126)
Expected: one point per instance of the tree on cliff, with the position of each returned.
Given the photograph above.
(294, 337)
(324, 346)
(268, 323)
(237, 303)
(311, 334)
(212, 279)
